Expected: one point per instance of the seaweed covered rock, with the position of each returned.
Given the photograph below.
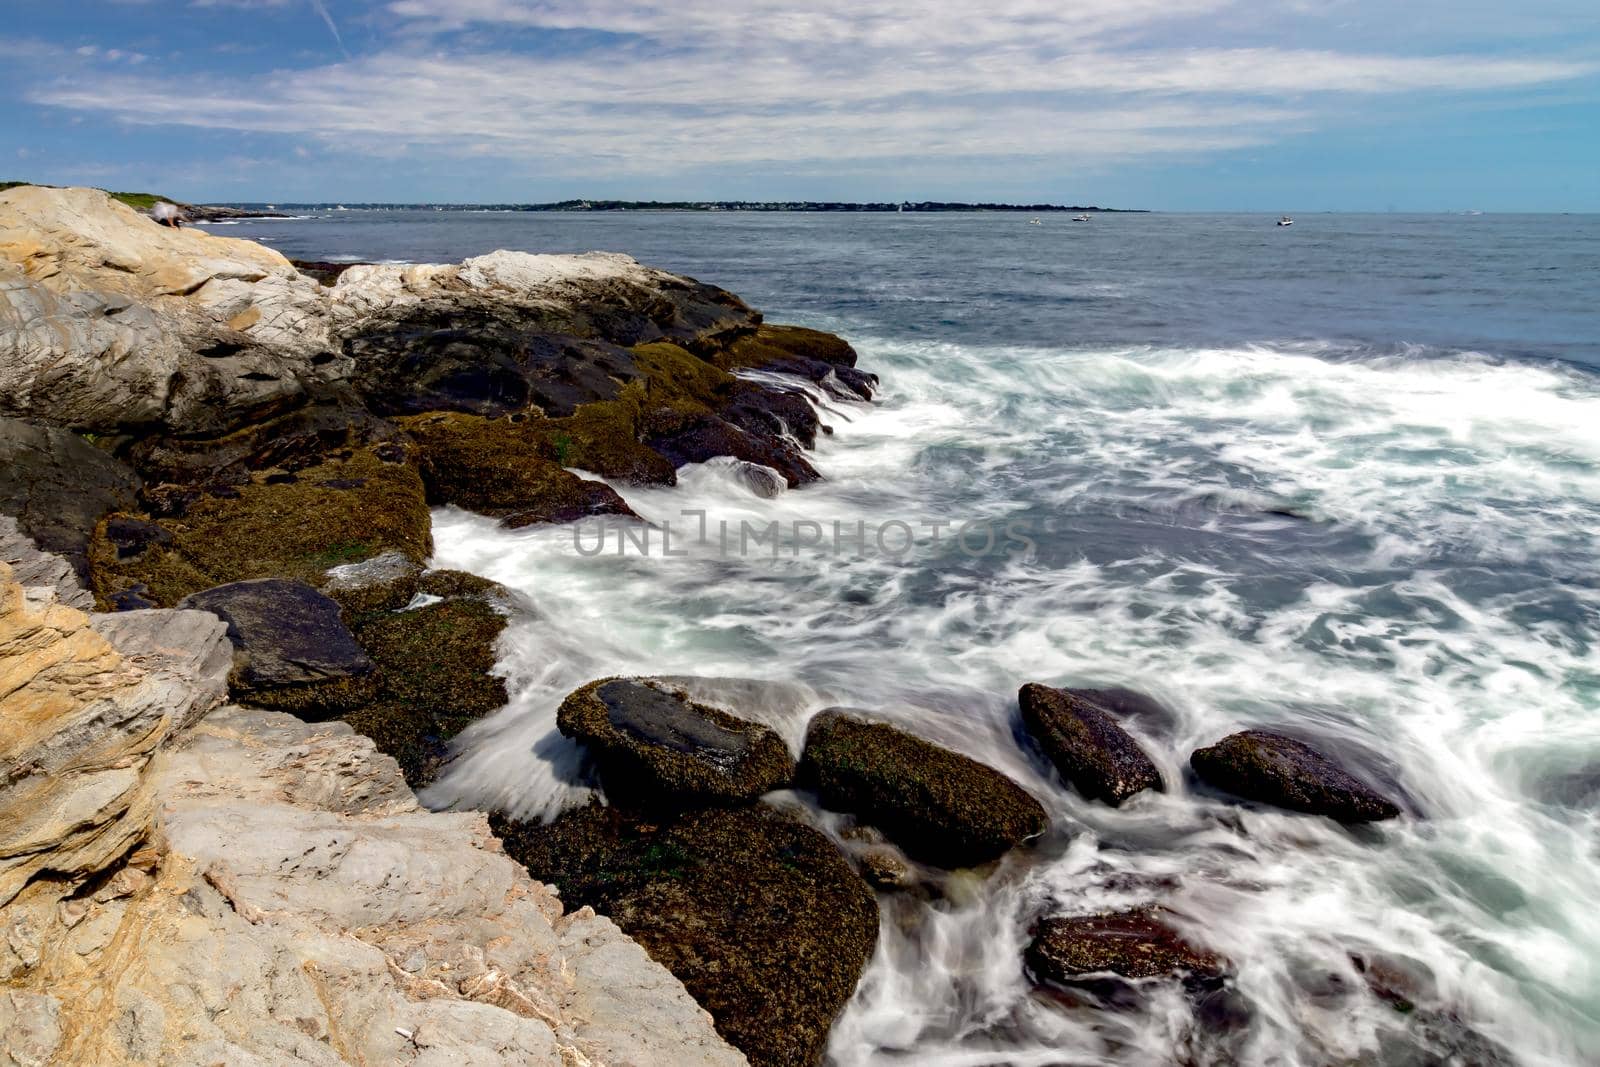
(434, 670)
(57, 485)
(386, 582)
(653, 744)
(941, 807)
(292, 652)
(811, 354)
(1130, 944)
(1273, 769)
(351, 507)
(503, 468)
(1087, 744)
(764, 922)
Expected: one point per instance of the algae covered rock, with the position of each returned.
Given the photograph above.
(811, 354)
(1130, 944)
(504, 468)
(386, 582)
(764, 922)
(1268, 767)
(655, 744)
(292, 652)
(1086, 743)
(435, 667)
(940, 806)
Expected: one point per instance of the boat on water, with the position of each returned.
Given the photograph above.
(1080, 218)
(1035, 222)
(1286, 221)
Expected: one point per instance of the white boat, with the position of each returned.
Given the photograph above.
(1080, 218)
(1035, 222)
(1286, 221)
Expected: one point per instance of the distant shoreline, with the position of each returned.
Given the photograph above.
(924, 206)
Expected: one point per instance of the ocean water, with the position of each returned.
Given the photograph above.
(1341, 479)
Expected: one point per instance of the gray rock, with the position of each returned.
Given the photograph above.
(653, 744)
(293, 651)
(44, 576)
(57, 485)
(387, 582)
(1087, 744)
(1273, 769)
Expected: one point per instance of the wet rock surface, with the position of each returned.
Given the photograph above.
(767, 925)
(1131, 944)
(653, 745)
(941, 807)
(1273, 769)
(1086, 743)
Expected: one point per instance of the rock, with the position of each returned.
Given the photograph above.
(435, 667)
(1273, 769)
(43, 576)
(941, 807)
(387, 582)
(1131, 944)
(346, 509)
(655, 745)
(765, 923)
(57, 485)
(883, 866)
(810, 354)
(296, 878)
(505, 469)
(79, 721)
(1086, 744)
(109, 321)
(292, 651)
(709, 436)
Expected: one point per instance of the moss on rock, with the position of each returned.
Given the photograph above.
(280, 525)
(766, 925)
(940, 806)
(1131, 944)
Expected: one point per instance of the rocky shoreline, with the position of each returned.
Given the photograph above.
(228, 464)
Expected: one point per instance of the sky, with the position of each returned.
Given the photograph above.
(1199, 105)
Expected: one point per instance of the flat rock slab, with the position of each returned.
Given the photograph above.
(293, 652)
(1130, 944)
(653, 743)
(766, 924)
(1273, 769)
(1087, 744)
(940, 806)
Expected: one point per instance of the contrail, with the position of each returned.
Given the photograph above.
(322, 9)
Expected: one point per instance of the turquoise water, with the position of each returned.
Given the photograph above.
(1342, 479)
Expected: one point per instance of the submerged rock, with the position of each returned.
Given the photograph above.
(292, 651)
(766, 924)
(1086, 743)
(654, 744)
(941, 807)
(57, 485)
(1130, 944)
(1273, 769)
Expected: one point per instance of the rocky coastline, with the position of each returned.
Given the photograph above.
(225, 664)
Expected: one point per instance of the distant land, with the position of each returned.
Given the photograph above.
(688, 205)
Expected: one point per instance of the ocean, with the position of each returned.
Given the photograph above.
(1340, 479)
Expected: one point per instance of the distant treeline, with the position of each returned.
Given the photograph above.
(695, 205)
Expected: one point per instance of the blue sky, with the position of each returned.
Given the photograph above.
(1174, 104)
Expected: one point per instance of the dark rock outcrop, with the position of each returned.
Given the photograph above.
(1273, 769)
(764, 922)
(1130, 944)
(811, 354)
(1086, 743)
(57, 485)
(654, 745)
(292, 652)
(941, 807)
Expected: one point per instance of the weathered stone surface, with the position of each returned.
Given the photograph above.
(109, 321)
(292, 650)
(57, 485)
(766, 924)
(1273, 769)
(386, 582)
(43, 576)
(1087, 744)
(1131, 944)
(941, 807)
(654, 744)
(79, 721)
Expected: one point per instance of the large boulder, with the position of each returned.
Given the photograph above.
(1134, 944)
(292, 651)
(110, 322)
(941, 807)
(653, 744)
(765, 923)
(1273, 769)
(1087, 744)
(57, 485)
